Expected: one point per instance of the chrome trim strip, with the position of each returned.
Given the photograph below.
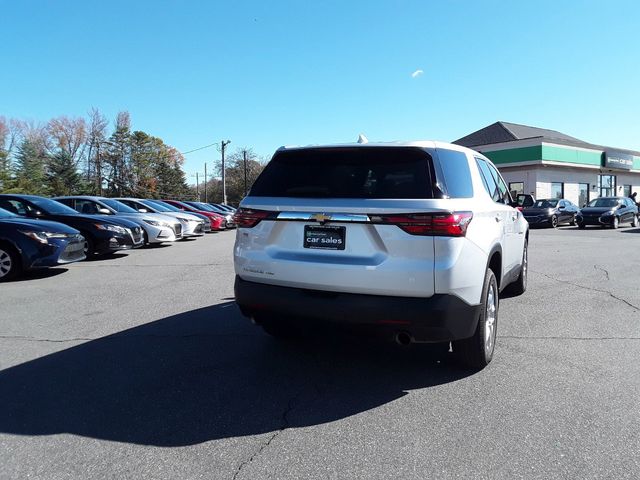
(323, 217)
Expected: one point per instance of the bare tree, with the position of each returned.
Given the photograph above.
(96, 137)
(69, 136)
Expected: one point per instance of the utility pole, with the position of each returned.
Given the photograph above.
(244, 158)
(205, 183)
(223, 145)
(98, 170)
(197, 186)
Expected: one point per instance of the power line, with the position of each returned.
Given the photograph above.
(196, 149)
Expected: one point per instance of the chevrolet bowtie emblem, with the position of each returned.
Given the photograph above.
(321, 217)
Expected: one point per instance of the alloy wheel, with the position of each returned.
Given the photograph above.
(554, 221)
(490, 322)
(5, 263)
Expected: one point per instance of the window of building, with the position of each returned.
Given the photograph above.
(583, 194)
(516, 188)
(607, 185)
(557, 190)
(626, 190)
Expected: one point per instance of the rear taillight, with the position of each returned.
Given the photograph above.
(248, 217)
(447, 224)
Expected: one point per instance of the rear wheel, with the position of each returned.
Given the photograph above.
(9, 263)
(520, 285)
(476, 352)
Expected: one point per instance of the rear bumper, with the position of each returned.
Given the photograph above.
(434, 319)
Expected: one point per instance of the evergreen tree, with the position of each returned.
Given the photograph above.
(30, 165)
(62, 176)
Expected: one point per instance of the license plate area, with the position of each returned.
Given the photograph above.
(324, 237)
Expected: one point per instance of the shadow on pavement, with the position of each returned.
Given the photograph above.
(632, 230)
(39, 274)
(203, 375)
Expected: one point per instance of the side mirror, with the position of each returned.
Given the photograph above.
(561, 208)
(104, 211)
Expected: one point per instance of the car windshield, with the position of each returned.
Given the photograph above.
(6, 214)
(52, 207)
(155, 206)
(119, 206)
(546, 204)
(604, 202)
(202, 206)
(162, 204)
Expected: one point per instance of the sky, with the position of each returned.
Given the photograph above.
(269, 73)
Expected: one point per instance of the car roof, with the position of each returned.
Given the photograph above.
(402, 144)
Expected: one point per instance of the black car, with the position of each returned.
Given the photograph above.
(608, 211)
(29, 244)
(551, 212)
(101, 235)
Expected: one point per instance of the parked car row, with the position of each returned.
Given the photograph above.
(38, 232)
(603, 211)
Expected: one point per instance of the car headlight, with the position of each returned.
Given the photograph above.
(156, 223)
(43, 237)
(605, 214)
(111, 228)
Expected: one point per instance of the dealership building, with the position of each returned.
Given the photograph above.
(550, 164)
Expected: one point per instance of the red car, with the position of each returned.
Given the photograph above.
(218, 222)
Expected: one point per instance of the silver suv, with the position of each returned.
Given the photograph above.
(416, 238)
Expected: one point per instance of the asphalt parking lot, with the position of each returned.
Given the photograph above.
(140, 366)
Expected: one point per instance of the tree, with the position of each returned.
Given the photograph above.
(62, 175)
(243, 167)
(96, 136)
(116, 158)
(30, 165)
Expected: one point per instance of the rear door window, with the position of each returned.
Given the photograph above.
(352, 172)
(487, 179)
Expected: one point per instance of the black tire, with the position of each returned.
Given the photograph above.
(477, 352)
(574, 222)
(89, 245)
(520, 285)
(616, 223)
(634, 221)
(10, 263)
(554, 221)
(581, 225)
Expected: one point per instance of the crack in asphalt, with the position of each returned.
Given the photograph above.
(597, 267)
(284, 425)
(635, 307)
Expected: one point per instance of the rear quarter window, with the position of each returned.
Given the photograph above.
(352, 172)
(453, 174)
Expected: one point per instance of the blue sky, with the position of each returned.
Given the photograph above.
(268, 73)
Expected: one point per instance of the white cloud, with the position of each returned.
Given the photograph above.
(417, 73)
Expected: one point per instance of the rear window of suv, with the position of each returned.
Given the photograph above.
(357, 172)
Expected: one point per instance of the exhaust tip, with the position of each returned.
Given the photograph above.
(403, 338)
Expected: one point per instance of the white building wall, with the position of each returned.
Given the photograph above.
(537, 180)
